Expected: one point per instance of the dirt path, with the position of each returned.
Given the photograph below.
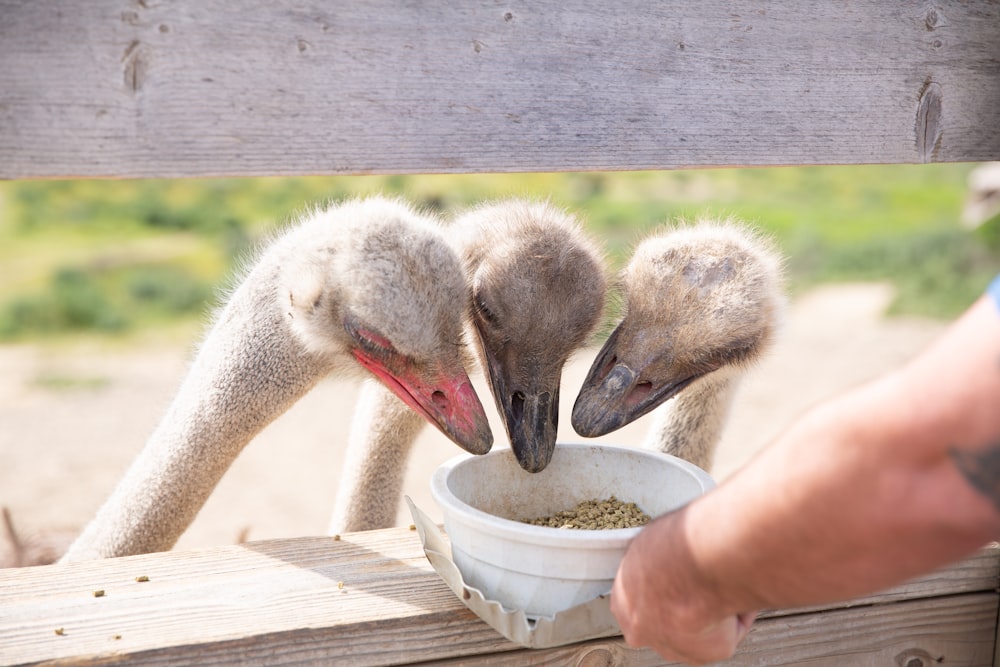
(70, 423)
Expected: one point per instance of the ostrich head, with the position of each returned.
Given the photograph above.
(375, 283)
(698, 299)
(538, 287)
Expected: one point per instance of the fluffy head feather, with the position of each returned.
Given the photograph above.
(535, 274)
(382, 262)
(709, 291)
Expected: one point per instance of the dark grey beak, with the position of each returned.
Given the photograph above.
(530, 415)
(615, 394)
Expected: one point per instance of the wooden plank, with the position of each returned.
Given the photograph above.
(996, 642)
(931, 631)
(126, 88)
(921, 633)
(280, 602)
(979, 572)
(251, 601)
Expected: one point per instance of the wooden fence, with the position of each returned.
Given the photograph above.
(146, 88)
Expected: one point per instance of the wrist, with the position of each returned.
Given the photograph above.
(696, 593)
(713, 568)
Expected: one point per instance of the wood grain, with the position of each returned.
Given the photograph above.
(372, 599)
(119, 88)
(938, 632)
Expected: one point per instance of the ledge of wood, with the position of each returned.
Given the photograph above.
(188, 88)
(373, 599)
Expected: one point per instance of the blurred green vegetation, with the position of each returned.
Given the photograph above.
(121, 257)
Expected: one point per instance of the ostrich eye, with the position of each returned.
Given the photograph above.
(367, 339)
(484, 313)
(373, 342)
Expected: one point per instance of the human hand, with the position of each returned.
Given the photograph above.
(661, 600)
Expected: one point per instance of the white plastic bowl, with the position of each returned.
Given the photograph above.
(543, 570)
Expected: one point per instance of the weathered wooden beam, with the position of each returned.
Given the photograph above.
(244, 602)
(917, 633)
(129, 88)
(372, 599)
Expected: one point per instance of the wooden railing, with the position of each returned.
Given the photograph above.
(373, 599)
(135, 88)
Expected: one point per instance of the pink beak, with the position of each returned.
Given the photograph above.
(444, 397)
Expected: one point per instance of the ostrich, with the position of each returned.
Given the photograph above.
(538, 285)
(982, 201)
(367, 285)
(702, 304)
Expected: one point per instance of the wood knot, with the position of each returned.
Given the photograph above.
(933, 18)
(916, 657)
(928, 123)
(135, 65)
(596, 657)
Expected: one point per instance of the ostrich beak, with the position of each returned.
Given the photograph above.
(529, 403)
(616, 393)
(444, 397)
(443, 394)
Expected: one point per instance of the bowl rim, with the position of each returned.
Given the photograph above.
(608, 538)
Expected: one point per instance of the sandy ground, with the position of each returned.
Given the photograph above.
(62, 450)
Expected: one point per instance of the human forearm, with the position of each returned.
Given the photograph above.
(829, 511)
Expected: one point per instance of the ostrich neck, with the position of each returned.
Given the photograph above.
(690, 425)
(247, 372)
(382, 434)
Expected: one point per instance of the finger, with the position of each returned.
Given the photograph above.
(744, 621)
(716, 642)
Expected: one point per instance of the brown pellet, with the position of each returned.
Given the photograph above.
(99, 593)
(60, 631)
(142, 578)
(595, 515)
